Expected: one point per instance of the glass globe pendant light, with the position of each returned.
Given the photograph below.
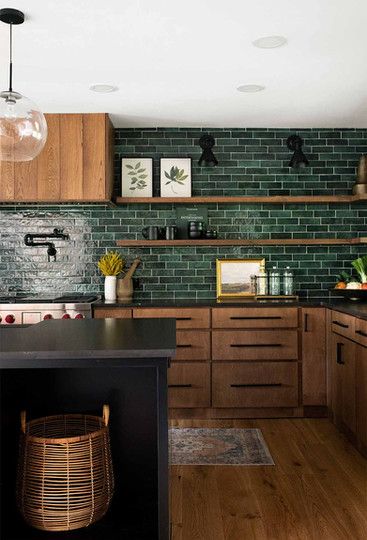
(23, 127)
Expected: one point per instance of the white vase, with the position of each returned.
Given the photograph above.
(110, 283)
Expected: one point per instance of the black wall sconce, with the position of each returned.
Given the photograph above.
(207, 142)
(295, 143)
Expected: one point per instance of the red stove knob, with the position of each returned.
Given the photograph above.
(79, 316)
(66, 316)
(10, 319)
(47, 316)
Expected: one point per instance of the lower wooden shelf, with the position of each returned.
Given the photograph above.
(243, 242)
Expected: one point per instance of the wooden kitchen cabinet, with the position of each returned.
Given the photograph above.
(113, 313)
(361, 397)
(314, 356)
(343, 365)
(189, 385)
(257, 384)
(76, 163)
(255, 317)
(255, 345)
(186, 318)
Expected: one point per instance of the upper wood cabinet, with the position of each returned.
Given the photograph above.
(76, 163)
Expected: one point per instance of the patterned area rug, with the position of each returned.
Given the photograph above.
(198, 446)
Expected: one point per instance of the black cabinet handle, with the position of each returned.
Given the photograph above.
(339, 349)
(341, 324)
(255, 385)
(180, 386)
(256, 345)
(183, 346)
(306, 322)
(359, 332)
(254, 318)
(183, 318)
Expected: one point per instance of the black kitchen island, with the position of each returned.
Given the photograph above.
(75, 366)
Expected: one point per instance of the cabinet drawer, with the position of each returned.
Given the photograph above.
(185, 317)
(270, 384)
(255, 345)
(255, 317)
(114, 313)
(360, 331)
(343, 324)
(192, 345)
(189, 385)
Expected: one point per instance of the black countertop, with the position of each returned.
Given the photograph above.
(90, 339)
(355, 308)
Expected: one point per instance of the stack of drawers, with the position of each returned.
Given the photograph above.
(189, 376)
(255, 353)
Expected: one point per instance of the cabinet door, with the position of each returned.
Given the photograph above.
(313, 356)
(112, 313)
(189, 385)
(361, 396)
(255, 345)
(344, 382)
(256, 384)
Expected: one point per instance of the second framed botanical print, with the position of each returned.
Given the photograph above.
(137, 177)
(175, 177)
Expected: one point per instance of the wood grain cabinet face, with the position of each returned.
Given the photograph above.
(344, 382)
(360, 331)
(314, 356)
(185, 317)
(74, 165)
(361, 396)
(188, 385)
(192, 345)
(113, 313)
(255, 345)
(260, 384)
(343, 324)
(255, 317)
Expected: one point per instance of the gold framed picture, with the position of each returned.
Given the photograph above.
(234, 276)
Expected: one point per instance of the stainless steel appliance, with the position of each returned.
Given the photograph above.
(31, 310)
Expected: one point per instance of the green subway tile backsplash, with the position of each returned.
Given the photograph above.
(251, 162)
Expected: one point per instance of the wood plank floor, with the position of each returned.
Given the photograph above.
(317, 489)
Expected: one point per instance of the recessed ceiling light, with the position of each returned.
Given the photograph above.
(103, 88)
(270, 42)
(251, 88)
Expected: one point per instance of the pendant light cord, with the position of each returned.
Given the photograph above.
(11, 59)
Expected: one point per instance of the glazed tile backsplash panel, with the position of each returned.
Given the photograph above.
(251, 162)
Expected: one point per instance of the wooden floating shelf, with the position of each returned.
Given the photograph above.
(244, 242)
(276, 199)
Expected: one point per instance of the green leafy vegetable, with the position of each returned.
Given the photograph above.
(360, 266)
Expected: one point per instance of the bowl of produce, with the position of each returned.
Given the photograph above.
(352, 287)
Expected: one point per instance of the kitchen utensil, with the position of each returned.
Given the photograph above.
(196, 229)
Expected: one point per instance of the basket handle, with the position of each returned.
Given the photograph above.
(106, 414)
(23, 420)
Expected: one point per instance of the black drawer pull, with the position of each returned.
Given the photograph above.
(180, 386)
(256, 345)
(183, 318)
(306, 322)
(341, 324)
(255, 385)
(360, 333)
(254, 318)
(339, 349)
(183, 346)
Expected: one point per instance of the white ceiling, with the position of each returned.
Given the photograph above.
(178, 63)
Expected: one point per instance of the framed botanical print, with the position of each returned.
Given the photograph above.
(234, 276)
(136, 177)
(175, 177)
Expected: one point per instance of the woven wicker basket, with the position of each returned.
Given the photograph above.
(65, 475)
